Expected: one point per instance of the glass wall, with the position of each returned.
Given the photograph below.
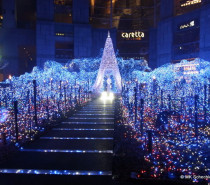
(131, 18)
(26, 14)
(63, 11)
(64, 50)
(184, 6)
(186, 39)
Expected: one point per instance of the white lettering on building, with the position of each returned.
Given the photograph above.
(134, 35)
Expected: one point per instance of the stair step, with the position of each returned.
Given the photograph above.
(54, 172)
(67, 151)
(80, 147)
(86, 125)
(60, 161)
(83, 129)
(79, 118)
(71, 144)
(89, 123)
(79, 138)
(79, 133)
(79, 114)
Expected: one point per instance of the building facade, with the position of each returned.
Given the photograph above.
(132, 20)
(34, 31)
(160, 31)
(181, 33)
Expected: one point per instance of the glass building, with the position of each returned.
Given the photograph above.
(160, 31)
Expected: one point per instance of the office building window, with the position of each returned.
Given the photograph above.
(186, 48)
(184, 6)
(26, 14)
(63, 11)
(121, 14)
(187, 36)
(64, 30)
(64, 50)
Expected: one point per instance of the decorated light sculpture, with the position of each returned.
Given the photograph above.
(108, 67)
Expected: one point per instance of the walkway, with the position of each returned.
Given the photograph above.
(77, 151)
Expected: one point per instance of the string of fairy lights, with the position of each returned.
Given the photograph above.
(167, 112)
(57, 92)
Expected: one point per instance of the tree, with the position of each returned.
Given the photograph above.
(108, 66)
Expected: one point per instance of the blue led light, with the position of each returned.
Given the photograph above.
(183, 152)
(4, 113)
(54, 172)
(78, 138)
(17, 144)
(67, 151)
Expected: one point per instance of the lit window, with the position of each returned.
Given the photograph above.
(187, 25)
(59, 2)
(190, 2)
(60, 34)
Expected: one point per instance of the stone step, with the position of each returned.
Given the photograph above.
(60, 161)
(90, 119)
(53, 172)
(71, 144)
(83, 129)
(92, 116)
(95, 115)
(76, 138)
(67, 151)
(88, 122)
(96, 112)
(87, 125)
(79, 133)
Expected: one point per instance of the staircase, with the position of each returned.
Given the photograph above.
(77, 151)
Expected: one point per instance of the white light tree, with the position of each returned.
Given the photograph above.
(107, 68)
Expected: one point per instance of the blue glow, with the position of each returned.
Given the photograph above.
(3, 115)
(78, 138)
(67, 151)
(54, 172)
(181, 81)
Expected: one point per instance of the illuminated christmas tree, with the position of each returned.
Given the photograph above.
(108, 67)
